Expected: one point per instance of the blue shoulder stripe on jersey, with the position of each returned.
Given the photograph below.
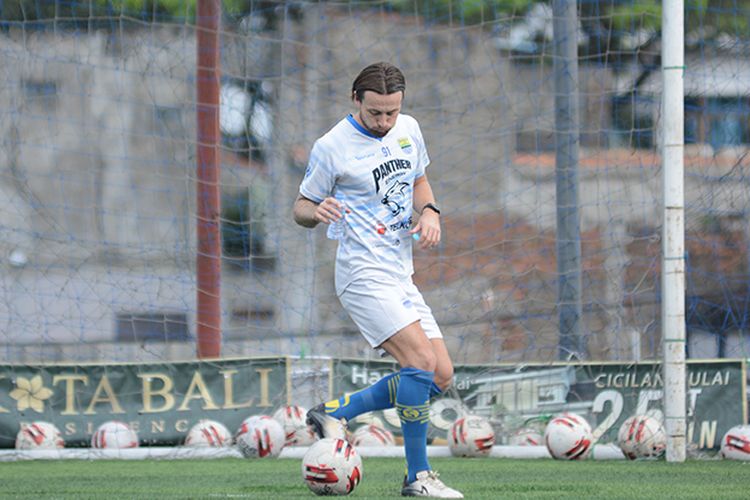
(360, 128)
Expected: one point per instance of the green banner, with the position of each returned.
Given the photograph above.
(160, 401)
(514, 396)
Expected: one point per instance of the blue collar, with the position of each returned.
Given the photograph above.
(360, 128)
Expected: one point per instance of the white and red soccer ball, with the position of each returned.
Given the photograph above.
(332, 467)
(293, 419)
(471, 436)
(735, 445)
(568, 437)
(260, 436)
(39, 435)
(372, 435)
(526, 436)
(114, 434)
(642, 436)
(208, 434)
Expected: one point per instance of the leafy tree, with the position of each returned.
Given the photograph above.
(97, 11)
(465, 12)
(609, 18)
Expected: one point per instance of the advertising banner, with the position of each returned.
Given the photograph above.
(160, 401)
(522, 395)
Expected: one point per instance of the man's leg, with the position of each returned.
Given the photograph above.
(379, 396)
(419, 359)
(414, 353)
(443, 368)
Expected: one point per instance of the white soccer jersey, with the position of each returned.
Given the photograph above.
(374, 178)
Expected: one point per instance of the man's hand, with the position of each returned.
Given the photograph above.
(428, 228)
(307, 213)
(329, 211)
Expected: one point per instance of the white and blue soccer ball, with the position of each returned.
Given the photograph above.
(39, 435)
(735, 445)
(332, 467)
(642, 436)
(114, 434)
(208, 434)
(293, 420)
(568, 437)
(260, 436)
(471, 436)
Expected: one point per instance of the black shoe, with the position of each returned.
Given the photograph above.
(324, 425)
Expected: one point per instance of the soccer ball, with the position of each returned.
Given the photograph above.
(471, 436)
(260, 436)
(39, 436)
(372, 435)
(292, 419)
(332, 467)
(568, 437)
(642, 436)
(735, 445)
(114, 434)
(208, 434)
(526, 436)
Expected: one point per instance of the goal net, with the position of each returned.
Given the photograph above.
(98, 210)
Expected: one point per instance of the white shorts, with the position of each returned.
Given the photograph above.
(382, 306)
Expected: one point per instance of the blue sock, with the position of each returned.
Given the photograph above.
(379, 396)
(413, 406)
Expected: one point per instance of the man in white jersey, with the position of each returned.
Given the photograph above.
(365, 178)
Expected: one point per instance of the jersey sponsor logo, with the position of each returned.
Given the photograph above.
(405, 144)
(403, 224)
(382, 171)
(395, 197)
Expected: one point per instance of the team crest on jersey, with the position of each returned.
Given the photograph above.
(405, 144)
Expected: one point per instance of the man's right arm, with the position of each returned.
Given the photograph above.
(304, 212)
(307, 213)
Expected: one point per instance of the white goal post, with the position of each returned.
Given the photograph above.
(673, 235)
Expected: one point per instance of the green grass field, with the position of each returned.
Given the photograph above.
(281, 479)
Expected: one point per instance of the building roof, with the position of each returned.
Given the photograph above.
(705, 75)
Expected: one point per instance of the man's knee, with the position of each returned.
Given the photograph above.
(444, 377)
(423, 360)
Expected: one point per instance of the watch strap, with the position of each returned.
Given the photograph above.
(432, 207)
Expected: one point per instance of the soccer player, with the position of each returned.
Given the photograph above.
(364, 179)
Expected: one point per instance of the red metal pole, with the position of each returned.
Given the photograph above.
(208, 263)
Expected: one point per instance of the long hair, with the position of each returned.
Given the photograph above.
(381, 77)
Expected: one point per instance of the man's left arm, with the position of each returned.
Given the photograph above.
(428, 225)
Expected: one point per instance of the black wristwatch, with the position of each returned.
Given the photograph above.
(432, 207)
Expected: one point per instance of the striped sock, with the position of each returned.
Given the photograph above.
(413, 406)
(379, 396)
